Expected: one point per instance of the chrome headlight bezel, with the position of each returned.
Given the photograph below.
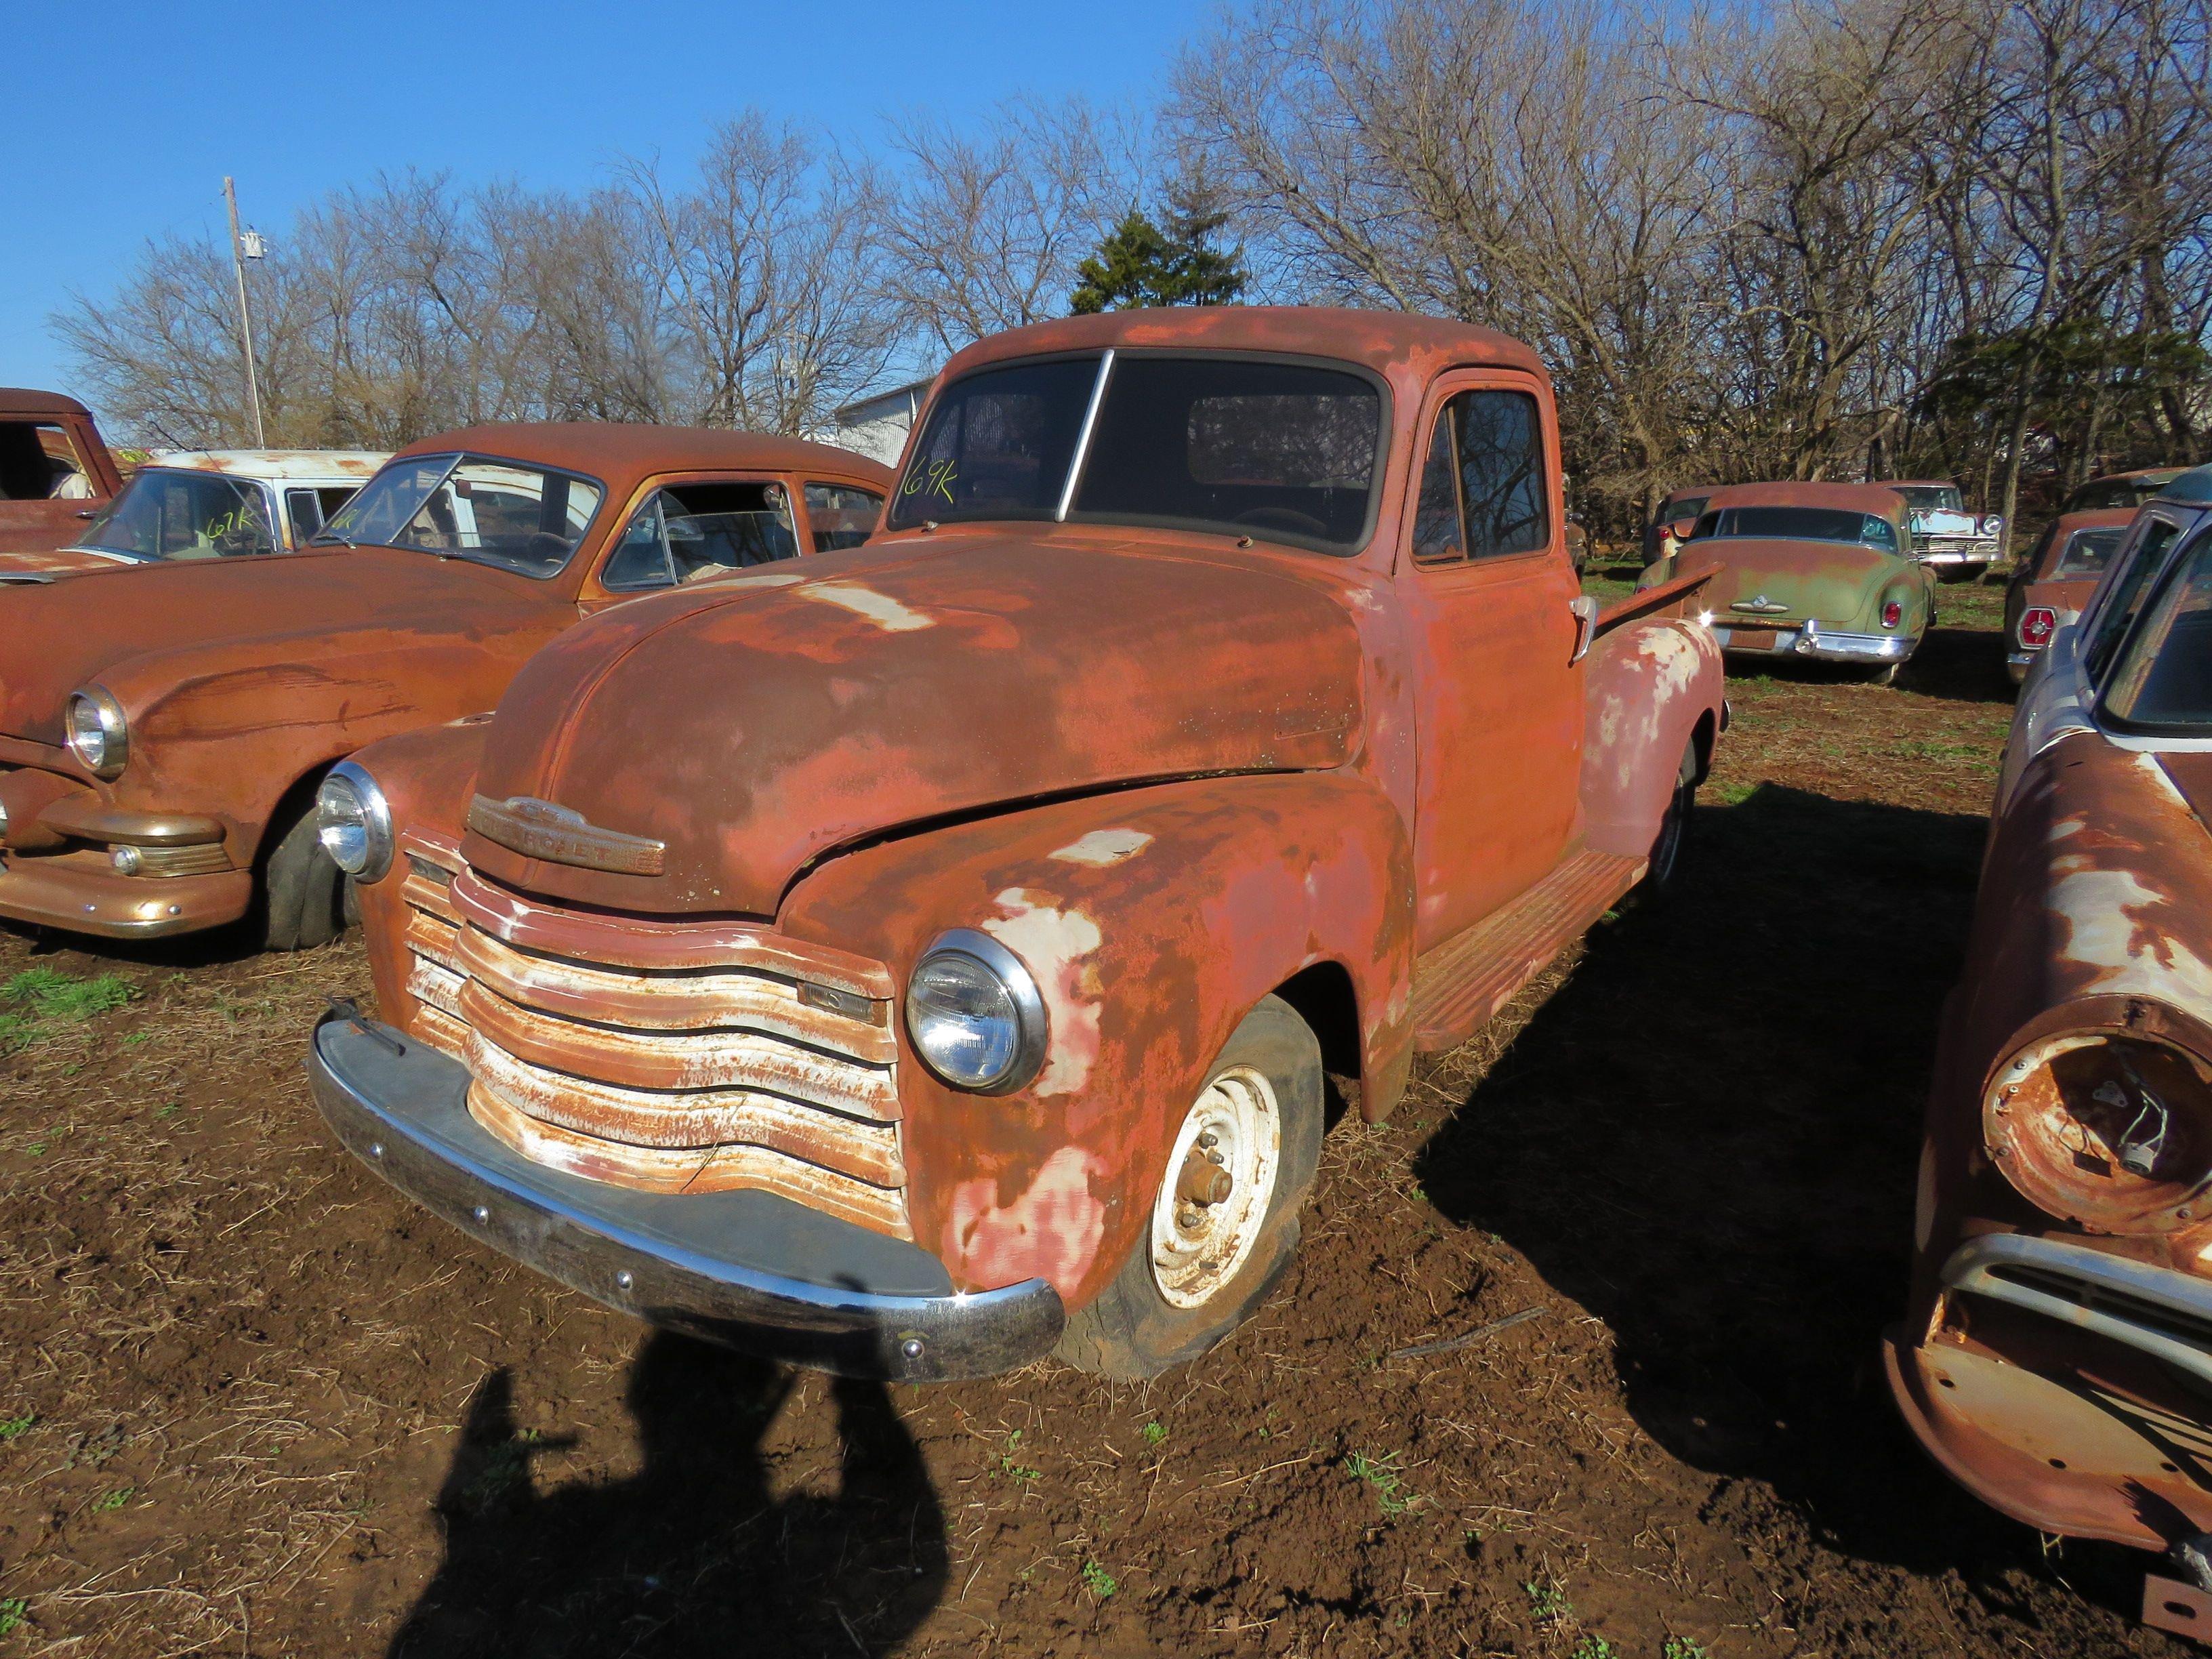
(353, 822)
(102, 743)
(967, 949)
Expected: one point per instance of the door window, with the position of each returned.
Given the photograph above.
(2125, 598)
(38, 463)
(692, 532)
(306, 510)
(1483, 493)
(840, 515)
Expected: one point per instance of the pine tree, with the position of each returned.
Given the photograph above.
(1142, 264)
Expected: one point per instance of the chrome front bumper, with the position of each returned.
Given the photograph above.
(1960, 555)
(751, 1270)
(1810, 639)
(2154, 1310)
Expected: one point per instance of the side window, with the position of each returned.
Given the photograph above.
(306, 509)
(330, 500)
(1488, 452)
(840, 515)
(38, 463)
(2125, 598)
(695, 531)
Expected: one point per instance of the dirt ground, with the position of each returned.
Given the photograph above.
(252, 1403)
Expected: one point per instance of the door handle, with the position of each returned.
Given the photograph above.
(1585, 612)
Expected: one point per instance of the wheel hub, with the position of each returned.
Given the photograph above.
(1225, 1162)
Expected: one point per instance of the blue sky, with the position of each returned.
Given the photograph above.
(124, 118)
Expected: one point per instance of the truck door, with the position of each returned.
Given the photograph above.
(1489, 596)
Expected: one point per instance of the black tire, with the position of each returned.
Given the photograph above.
(1674, 827)
(302, 893)
(1885, 675)
(1132, 1331)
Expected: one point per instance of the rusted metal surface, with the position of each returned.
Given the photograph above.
(2073, 1103)
(241, 679)
(1171, 772)
(32, 519)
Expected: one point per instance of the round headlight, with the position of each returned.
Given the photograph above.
(98, 734)
(975, 1013)
(354, 822)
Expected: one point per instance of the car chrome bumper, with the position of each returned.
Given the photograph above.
(2017, 664)
(50, 893)
(751, 1270)
(1960, 555)
(1811, 640)
(2155, 1310)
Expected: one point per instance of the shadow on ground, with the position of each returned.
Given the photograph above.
(694, 1553)
(1708, 1138)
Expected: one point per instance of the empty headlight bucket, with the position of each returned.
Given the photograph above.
(99, 736)
(354, 822)
(975, 1014)
(2108, 1129)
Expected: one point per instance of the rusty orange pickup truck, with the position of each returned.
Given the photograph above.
(932, 956)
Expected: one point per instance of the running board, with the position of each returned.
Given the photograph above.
(1461, 984)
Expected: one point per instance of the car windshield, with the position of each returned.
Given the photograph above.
(528, 520)
(1932, 498)
(1281, 451)
(2162, 682)
(166, 512)
(2102, 495)
(1799, 524)
(2088, 551)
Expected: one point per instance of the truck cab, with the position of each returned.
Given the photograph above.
(934, 956)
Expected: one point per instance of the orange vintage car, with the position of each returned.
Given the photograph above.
(161, 737)
(2056, 579)
(2056, 1354)
(928, 957)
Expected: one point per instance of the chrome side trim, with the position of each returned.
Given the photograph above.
(671, 1259)
(2154, 1310)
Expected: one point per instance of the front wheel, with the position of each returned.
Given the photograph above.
(1673, 826)
(1223, 1223)
(303, 896)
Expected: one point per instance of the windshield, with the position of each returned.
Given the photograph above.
(2101, 495)
(2163, 679)
(1932, 498)
(1283, 451)
(2088, 551)
(1799, 524)
(166, 514)
(528, 520)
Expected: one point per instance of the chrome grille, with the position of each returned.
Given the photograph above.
(660, 1055)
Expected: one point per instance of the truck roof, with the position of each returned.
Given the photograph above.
(21, 400)
(1400, 347)
(346, 466)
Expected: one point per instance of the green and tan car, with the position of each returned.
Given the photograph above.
(1825, 572)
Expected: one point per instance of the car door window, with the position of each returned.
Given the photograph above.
(695, 532)
(306, 509)
(1483, 493)
(2125, 598)
(840, 515)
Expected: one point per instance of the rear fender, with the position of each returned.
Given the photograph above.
(1153, 920)
(1650, 685)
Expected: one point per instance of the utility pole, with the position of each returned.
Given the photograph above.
(245, 313)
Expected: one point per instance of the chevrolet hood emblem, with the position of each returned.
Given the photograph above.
(559, 835)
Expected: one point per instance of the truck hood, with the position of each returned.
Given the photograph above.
(751, 727)
(56, 636)
(32, 567)
(1828, 581)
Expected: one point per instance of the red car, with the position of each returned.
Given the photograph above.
(2053, 582)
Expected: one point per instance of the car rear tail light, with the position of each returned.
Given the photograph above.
(2037, 624)
(1891, 614)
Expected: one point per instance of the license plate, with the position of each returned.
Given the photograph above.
(1746, 640)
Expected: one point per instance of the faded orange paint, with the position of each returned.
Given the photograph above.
(1172, 771)
(32, 526)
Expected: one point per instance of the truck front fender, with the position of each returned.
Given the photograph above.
(1152, 919)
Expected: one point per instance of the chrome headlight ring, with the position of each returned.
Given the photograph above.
(353, 822)
(975, 1014)
(98, 734)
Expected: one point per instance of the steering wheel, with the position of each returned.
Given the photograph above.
(1283, 517)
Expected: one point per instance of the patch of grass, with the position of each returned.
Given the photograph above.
(1382, 1473)
(1732, 794)
(1154, 1434)
(1548, 1601)
(13, 1612)
(1099, 1582)
(1681, 1647)
(114, 1500)
(36, 1002)
(1014, 1471)
(1595, 1647)
(12, 1426)
(505, 1466)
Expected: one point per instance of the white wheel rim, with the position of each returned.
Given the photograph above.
(1198, 1248)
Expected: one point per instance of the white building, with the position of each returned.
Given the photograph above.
(877, 427)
